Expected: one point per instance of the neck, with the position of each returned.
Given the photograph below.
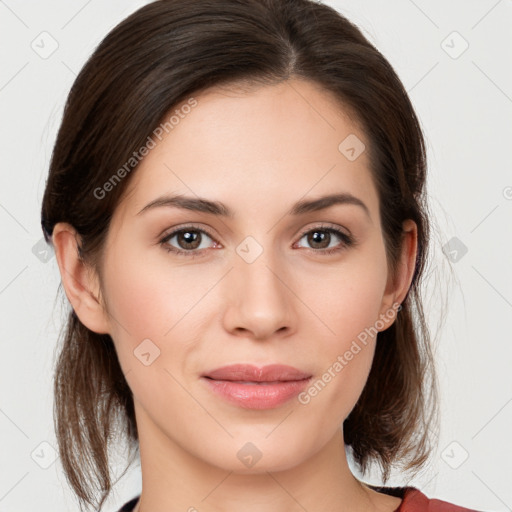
(176, 480)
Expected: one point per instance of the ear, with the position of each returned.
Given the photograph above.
(79, 280)
(397, 289)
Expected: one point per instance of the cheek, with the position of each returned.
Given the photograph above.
(346, 362)
(347, 298)
(147, 293)
(348, 302)
(153, 330)
(146, 301)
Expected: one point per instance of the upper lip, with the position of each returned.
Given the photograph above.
(251, 373)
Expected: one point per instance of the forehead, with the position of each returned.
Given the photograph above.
(257, 147)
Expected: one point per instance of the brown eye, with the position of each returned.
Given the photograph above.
(320, 238)
(188, 241)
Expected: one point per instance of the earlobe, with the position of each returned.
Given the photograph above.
(397, 290)
(79, 280)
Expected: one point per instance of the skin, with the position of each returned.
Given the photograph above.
(258, 151)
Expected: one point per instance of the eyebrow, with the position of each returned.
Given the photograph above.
(218, 208)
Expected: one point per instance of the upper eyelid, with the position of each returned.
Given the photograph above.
(173, 231)
(326, 226)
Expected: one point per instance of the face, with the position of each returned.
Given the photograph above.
(190, 291)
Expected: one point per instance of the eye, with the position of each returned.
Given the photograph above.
(189, 240)
(320, 239)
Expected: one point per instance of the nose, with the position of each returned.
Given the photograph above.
(260, 302)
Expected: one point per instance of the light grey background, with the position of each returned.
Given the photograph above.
(463, 97)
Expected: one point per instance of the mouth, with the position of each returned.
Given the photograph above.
(250, 387)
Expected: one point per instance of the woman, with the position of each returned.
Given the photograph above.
(236, 201)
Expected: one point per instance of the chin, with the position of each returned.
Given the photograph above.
(252, 455)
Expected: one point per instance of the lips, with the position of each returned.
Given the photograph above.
(250, 373)
(250, 387)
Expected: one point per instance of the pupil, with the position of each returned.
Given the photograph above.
(319, 236)
(190, 237)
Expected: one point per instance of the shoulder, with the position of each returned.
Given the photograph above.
(415, 501)
(130, 505)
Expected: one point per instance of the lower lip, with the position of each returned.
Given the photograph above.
(257, 396)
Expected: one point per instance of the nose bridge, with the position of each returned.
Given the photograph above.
(259, 299)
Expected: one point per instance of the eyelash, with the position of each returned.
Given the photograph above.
(347, 240)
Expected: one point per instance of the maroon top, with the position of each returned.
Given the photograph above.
(412, 501)
(415, 501)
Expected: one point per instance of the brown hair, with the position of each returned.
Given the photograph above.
(154, 60)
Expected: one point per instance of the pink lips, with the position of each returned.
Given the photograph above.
(251, 387)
